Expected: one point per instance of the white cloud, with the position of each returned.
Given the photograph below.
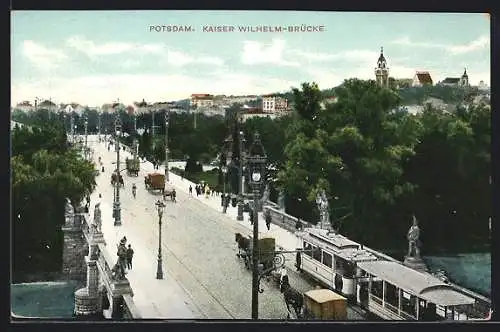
(480, 43)
(91, 49)
(351, 55)
(100, 89)
(255, 53)
(179, 59)
(42, 57)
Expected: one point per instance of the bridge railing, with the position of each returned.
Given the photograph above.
(105, 262)
(285, 220)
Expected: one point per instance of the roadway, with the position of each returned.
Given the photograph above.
(198, 246)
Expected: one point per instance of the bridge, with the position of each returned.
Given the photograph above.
(203, 279)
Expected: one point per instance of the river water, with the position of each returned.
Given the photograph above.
(56, 299)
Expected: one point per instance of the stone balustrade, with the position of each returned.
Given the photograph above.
(283, 219)
(85, 254)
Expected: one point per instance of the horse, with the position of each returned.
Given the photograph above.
(292, 297)
(243, 244)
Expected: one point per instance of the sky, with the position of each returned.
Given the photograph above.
(97, 57)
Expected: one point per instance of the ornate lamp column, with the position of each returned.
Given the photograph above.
(167, 121)
(242, 141)
(116, 203)
(160, 206)
(256, 164)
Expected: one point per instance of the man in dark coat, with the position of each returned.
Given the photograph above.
(268, 217)
(130, 255)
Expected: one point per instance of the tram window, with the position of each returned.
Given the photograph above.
(317, 254)
(327, 259)
(307, 249)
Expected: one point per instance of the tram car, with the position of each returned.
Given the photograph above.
(379, 284)
(155, 181)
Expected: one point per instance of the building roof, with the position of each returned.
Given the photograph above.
(424, 77)
(201, 95)
(451, 80)
(421, 284)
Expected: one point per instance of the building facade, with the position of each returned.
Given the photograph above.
(456, 81)
(421, 78)
(202, 100)
(382, 71)
(274, 104)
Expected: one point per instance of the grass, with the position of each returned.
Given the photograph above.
(210, 177)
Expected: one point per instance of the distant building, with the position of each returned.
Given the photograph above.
(403, 83)
(274, 104)
(382, 71)
(202, 100)
(327, 101)
(421, 78)
(25, 106)
(456, 81)
(483, 86)
(255, 112)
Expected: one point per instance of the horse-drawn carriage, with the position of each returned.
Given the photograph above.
(133, 166)
(117, 178)
(155, 181)
(266, 248)
(169, 191)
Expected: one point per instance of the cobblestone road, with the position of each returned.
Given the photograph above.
(198, 249)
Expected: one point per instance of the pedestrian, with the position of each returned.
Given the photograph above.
(268, 218)
(213, 193)
(222, 201)
(173, 195)
(190, 190)
(225, 199)
(130, 255)
(298, 261)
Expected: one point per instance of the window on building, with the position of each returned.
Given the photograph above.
(327, 259)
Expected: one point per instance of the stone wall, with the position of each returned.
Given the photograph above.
(130, 311)
(284, 220)
(75, 248)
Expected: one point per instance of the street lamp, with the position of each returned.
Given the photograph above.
(86, 134)
(224, 172)
(160, 206)
(167, 120)
(135, 136)
(141, 132)
(256, 166)
(116, 202)
(242, 141)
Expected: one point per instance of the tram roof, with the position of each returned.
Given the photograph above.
(423, 285)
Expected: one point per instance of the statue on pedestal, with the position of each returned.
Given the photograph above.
(119, 268)
(265, 195)
(413, 239)
(324, 209)
(281, 200)
(69, 212)
(97, 222)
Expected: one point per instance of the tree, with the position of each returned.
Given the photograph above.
(355, 149)
(44, 172)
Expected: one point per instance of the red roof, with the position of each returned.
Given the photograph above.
(424, 77)
(200, 95)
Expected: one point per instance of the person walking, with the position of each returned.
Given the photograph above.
(130, 255)
(190, 190)
(268, 218)
(173, 195)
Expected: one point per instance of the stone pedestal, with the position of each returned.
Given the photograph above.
(415, 263)
(86, 305)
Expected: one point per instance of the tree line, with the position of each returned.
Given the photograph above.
(378, 164)
(45, 170)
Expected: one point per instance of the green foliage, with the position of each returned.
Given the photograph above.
(44, 172)
(379, 165)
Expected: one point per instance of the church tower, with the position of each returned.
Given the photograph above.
(382, 71)
(464, 80)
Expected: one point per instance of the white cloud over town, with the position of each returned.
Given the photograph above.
(250, 76)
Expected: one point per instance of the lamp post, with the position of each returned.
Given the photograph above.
(86, 135)
(241, 137)
(116, 202)
(224, 172)
(256, 166)
(99, 124)
(160, 206)
(136, 144)
(167, 120)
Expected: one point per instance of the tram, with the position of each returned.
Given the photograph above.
(379, 284)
